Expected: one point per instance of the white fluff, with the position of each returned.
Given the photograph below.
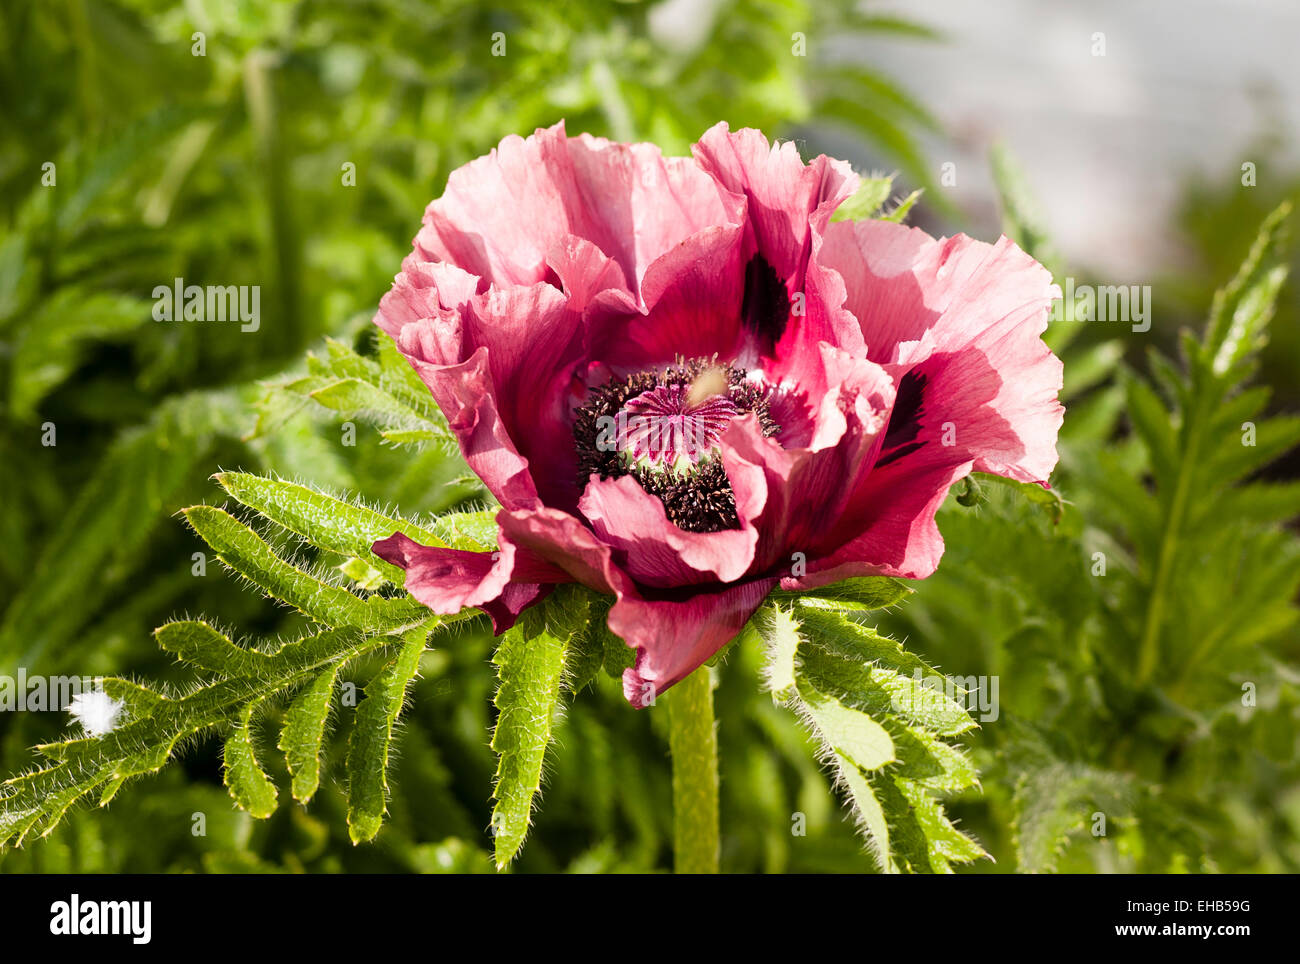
(96, 711)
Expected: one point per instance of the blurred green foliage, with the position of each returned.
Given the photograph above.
(1216, 219)
(230, 168)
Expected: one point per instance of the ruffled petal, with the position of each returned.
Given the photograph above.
(787, 198)
(422, 291)
(466, 395)
(527, 344)
(691, 306)
(813, 490)
(918, 298)
(502, 583)
(675, 636)
(1020, 442)
(877, 261)
(941, 419)
(584, 271)
(943, 425)
(646, 204)
(789, 207)
(501, 215)
(565, 543)
(895, 529)
(654, 551)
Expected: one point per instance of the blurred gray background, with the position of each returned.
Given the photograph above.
(1185, 88)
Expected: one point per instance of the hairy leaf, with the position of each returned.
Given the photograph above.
(372, 734)
(878, 719)
(245, 778)
(530, 663)
(304, 729)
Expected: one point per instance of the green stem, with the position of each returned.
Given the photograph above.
(693, 741)
(1149, 647)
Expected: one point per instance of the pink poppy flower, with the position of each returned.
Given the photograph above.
(686, 386)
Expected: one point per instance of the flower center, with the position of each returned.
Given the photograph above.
(663, 428)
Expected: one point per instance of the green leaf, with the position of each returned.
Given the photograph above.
(1050, 499)
(353, 396)
(858, 666)
(586, 651)
(868, 814)
(372, 734)
(848, 639)
(1241, 311)
(138, 701)
(143, 743)
(619, 656)
(1274, 437)
(475, 531)
(1151, 420)
(1022, 219)
(884, 23)
(1091, 366)
(879, 722)
(244, 551)
(104, 535)
(194, 641)
(924, 840)
(530, 664)
(781, 634)
(1056, 800)
(303, 732)
(899, 212)
(248, 783)
(53, 340)
(412, 436)
(869, 198)
(363, 574)
(843, 105)
(340, 525)
(854, 736)
(385, 393)
(858, 593)
(1234, 332)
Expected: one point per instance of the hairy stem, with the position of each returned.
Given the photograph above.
(693, 741)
